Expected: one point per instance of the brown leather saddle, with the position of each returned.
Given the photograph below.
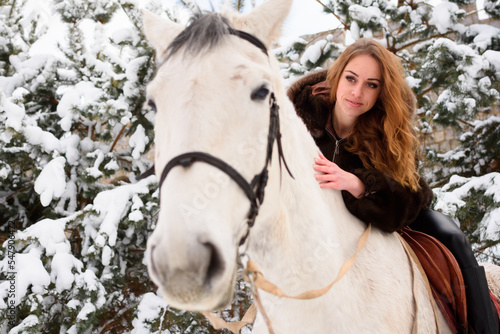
(444, 275)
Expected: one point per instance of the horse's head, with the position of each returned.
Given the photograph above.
(213, 94)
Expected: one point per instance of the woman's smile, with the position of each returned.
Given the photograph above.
(354, 103)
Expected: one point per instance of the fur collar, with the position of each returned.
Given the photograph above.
(310, 104)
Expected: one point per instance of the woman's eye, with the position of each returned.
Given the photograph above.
(373, 85)
(260, 93)
(152, 105)
(350, 78)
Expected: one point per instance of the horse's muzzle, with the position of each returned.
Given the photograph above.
(196, 279)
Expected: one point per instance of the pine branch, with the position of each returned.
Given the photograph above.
(415, 42)
(484, 247)
(346, 26)
(464, 122)
(117, 138)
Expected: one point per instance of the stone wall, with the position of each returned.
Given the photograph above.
(444, 139)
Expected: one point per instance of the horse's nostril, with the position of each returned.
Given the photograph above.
(215, 265)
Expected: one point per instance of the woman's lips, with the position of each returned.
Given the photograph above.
(354, 104)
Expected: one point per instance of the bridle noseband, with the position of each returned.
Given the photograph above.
(255, 189)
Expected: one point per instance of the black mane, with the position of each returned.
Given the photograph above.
(203, 32)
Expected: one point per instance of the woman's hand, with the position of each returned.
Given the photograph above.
(332, 176)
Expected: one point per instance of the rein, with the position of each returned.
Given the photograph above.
(257, 281)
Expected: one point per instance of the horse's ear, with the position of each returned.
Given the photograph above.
(266, 20)
(160, 32)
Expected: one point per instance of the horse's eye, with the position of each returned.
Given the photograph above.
(260, 93)
(152, 105)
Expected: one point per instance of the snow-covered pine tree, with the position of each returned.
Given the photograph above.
(66, 109)
(19, 80)
(457, 82)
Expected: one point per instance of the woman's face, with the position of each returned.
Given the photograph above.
(358, 88)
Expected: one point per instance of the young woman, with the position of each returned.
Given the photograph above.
(360, 114)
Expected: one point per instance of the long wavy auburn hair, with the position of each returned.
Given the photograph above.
(383, 137)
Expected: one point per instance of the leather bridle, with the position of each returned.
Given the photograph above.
(254, 190)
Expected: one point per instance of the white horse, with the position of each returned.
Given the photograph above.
(212, 92)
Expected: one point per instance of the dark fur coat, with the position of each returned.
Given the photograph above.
(386, 204)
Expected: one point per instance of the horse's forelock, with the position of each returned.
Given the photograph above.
(203, 32)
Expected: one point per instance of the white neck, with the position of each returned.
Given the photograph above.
(343, 125)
